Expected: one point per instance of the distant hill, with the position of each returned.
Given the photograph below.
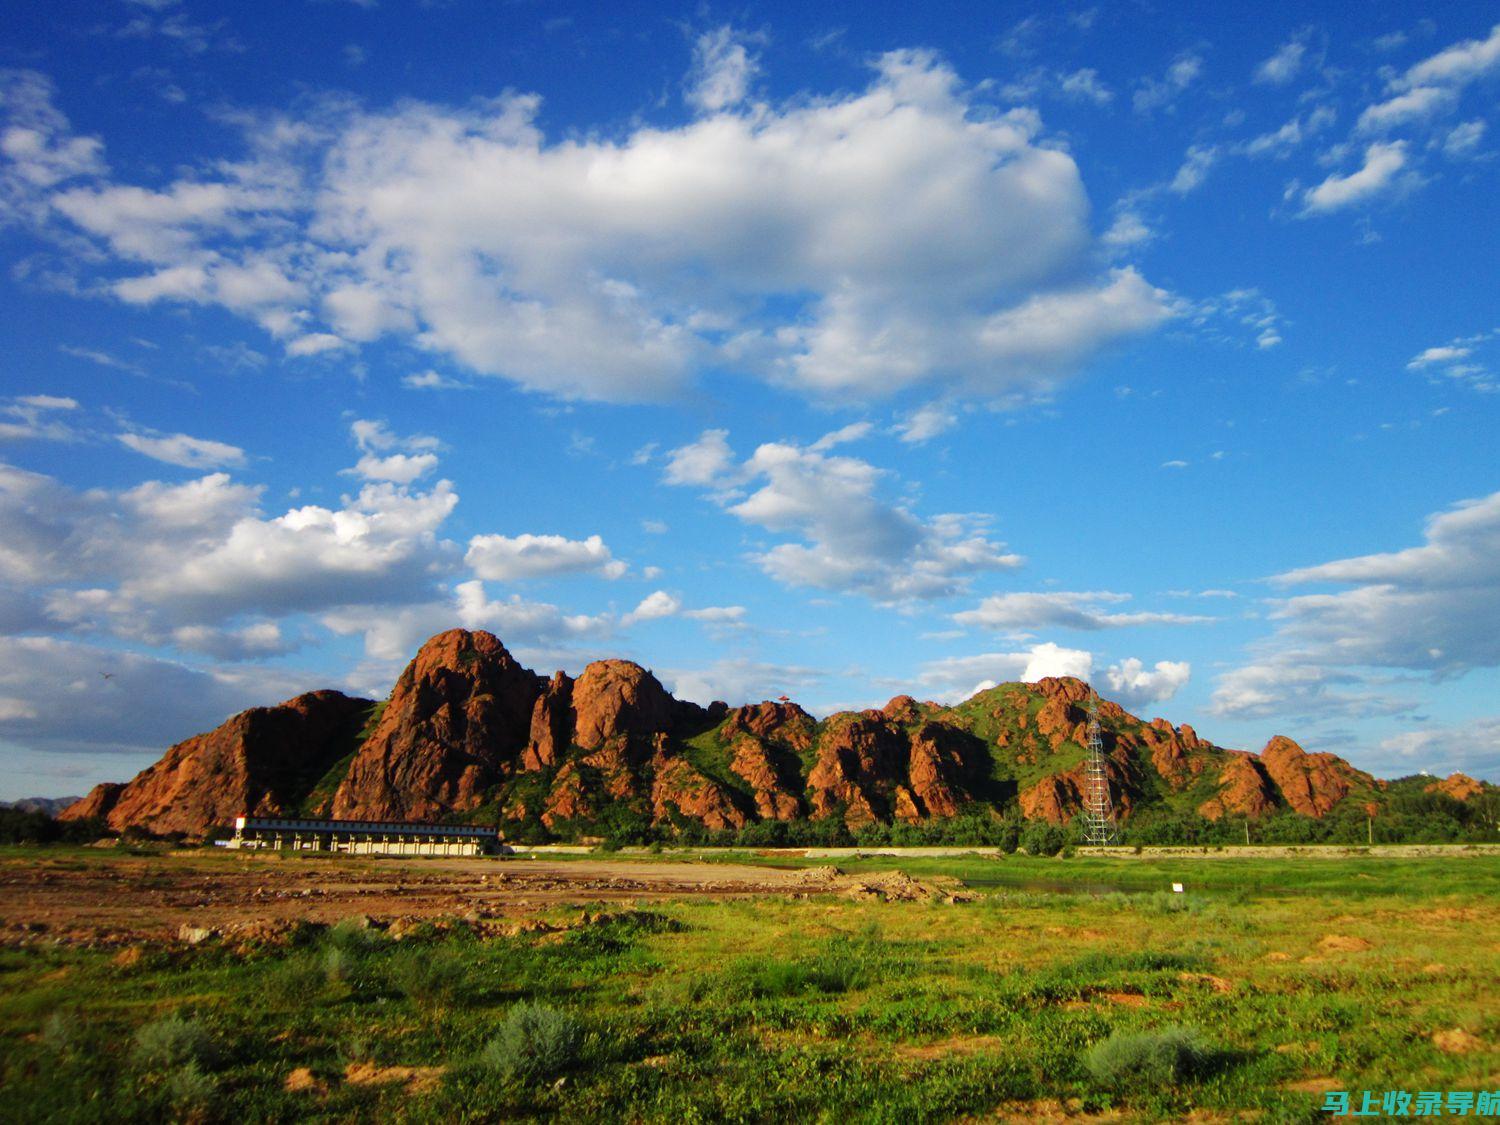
(52, 806)
(469, 734)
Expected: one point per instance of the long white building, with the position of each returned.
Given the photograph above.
(362, 837)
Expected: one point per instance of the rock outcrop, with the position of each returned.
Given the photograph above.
(468, 733)
(459, 714)
(263, 761)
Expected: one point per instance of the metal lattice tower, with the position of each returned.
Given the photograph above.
(1098, 809)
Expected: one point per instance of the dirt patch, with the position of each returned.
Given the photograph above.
(1457, 1041)
(1314, 1085)
(971, 1045)
(1278, 955)
(1125, 999)
(1343, 943)
(303, 1081)
(1218, 984)
(118, 900)
(416, 1079)
(1048, 1111)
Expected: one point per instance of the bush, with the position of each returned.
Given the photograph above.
(173, 1042)
(1148, 1060)
(1042, 838)
(535, 1042)
(189, 1087)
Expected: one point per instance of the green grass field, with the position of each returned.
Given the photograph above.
(1264, 985)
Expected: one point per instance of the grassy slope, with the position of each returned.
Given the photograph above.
(774, 1010)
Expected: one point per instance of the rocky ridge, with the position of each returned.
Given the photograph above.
(469, 734)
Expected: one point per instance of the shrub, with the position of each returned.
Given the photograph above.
(1147, 1060)
(173, 1042)
(535, 1042)
(189, 1087)
(432, 979)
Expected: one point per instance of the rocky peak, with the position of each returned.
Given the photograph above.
(458, 715)
(1311, 783)
(615, 698)
(774, 722)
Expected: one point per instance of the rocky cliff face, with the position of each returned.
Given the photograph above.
(469, 734)
(264, 761)
(458, 716)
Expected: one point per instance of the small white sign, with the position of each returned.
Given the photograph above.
(1177, 888)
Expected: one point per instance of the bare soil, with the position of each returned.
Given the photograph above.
(122, 899)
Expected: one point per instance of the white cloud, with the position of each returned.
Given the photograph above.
(1460, 64)
(521, 621)
(502, 558)
(660, 604)
(1084, 85)
(955, 679)
(180, 449)
(315, 343)
(1285, 64)
(855, 431)
(1445, 353)
(722, 69)
(34, 418)
(919, 228)
(852, 540)
(738, 680)
(398, 468)
(1463, 140)
(1416, 104)
(61, 701)
(1128, 229)
(1023, 612)
(1157, 93)
(38, 145)
(704, 461)
(1194, 169)
(925, 423)
(430, 380)
(1131, 684)
(1472, 748)
(1432, 609)
(1382, 162)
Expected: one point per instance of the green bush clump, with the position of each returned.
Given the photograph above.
(1146, 1061)
(173, 1042)
(535, 1042)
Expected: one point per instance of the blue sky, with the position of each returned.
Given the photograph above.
(827, 350)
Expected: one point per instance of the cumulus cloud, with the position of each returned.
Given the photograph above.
(1023, 612)
(846, 246)
(1378, 174)
(1432, 609)
(1472, 748)
(722, 69)
(660, 604)
(54, 696)
(955, 679)
(851, 538)
(738, 680)
(1132, 684)
(504, 558)
(180, 449)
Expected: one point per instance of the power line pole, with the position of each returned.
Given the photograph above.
(1098, 809)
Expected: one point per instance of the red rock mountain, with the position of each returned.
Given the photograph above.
(469, 734)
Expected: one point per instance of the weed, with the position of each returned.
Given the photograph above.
(534, 1042)
(171, 1042)
(1142, 1063)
